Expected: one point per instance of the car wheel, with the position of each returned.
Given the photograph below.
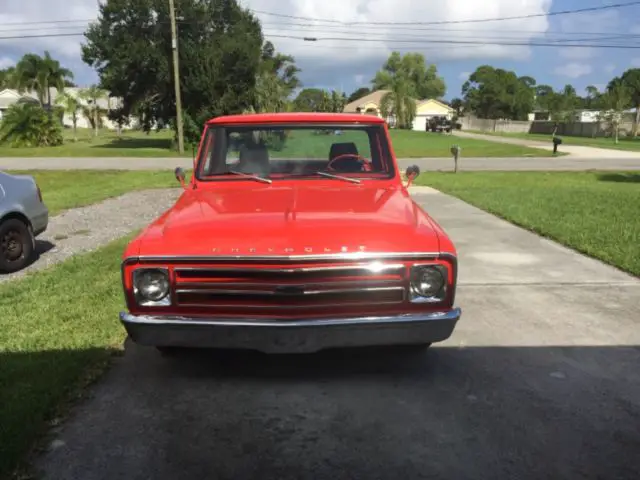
(16, 245)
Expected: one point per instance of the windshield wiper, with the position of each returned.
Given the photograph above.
(251, 176)
(339, 177)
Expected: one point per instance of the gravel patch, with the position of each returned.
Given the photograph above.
(87, 228)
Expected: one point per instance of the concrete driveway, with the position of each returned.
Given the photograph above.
(573, 150)
(540, 380)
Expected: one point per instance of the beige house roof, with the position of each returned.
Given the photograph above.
(376, 98)
(373, 97)
(437, 102)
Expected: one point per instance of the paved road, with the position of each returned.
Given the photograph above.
(540, 380)
(516, 163)
(575, 151)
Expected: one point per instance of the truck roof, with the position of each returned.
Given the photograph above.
(296, 117)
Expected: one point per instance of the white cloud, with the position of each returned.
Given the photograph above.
(360, 42)
(464, 76)
(6, 62)
(331, 51)
(609, 68)
(573, 70)
(635, 62)
(14, 12)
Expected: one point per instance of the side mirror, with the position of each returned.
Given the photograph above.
(412, 173)
(180, 176)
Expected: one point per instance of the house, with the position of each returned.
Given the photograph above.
(369, 104)
(430, 108)
(425, 109)
(10, 97)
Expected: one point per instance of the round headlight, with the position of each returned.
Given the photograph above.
(426, 281)
(152, 285)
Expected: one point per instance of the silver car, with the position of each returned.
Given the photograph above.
(23, 216)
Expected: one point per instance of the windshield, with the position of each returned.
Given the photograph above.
(336, 152)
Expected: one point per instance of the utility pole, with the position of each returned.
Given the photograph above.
(176, 76)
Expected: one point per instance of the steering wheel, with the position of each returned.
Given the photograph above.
(366, 164)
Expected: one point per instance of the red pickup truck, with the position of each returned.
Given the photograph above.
(294, 233)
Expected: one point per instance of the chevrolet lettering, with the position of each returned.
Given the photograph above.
(295, 233)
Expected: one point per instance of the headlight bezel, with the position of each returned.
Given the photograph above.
(143, 301)
(440, 295)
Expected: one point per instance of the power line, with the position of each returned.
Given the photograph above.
(476, 36)
(44, 35)
(450, 22)
(460, 42)
(49, 21)
(470, 30)
(390, 40)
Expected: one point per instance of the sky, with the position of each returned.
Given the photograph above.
(367, 31)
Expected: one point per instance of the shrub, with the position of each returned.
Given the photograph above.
(29, 125)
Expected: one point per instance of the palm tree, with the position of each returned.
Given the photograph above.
(93, 111)
(54, 75)
(30, 74)
(399, 102)
(71, 106)
(270, 93)
(615, 101)
(7, 78)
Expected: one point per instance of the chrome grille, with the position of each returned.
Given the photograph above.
(290, 287)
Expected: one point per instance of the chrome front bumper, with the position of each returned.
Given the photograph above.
(295, 336)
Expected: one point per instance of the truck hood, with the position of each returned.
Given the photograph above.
(290, 220)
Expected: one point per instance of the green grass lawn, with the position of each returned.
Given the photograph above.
(594, 213)
(625, 143)
(55, 337)
(160, 144)
(64, 189)
(106, 144)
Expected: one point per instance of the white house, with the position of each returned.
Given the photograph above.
(10, 97)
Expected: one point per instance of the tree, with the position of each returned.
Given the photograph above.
(40, 74)
(337, 102)
(92, 110)
(54, 75)
(400, 101)
(310, 100)
(615, 101)
(543, 95)
(270, 93)
(283, 66)
(275, 81)
(7, 78)
(499, 94)
(27, 124)
(457, 104)
(358, 94)
(220, 46)
(30, 73)
(421, 80)
(631, 80)
(71, 107)
(593, 99)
